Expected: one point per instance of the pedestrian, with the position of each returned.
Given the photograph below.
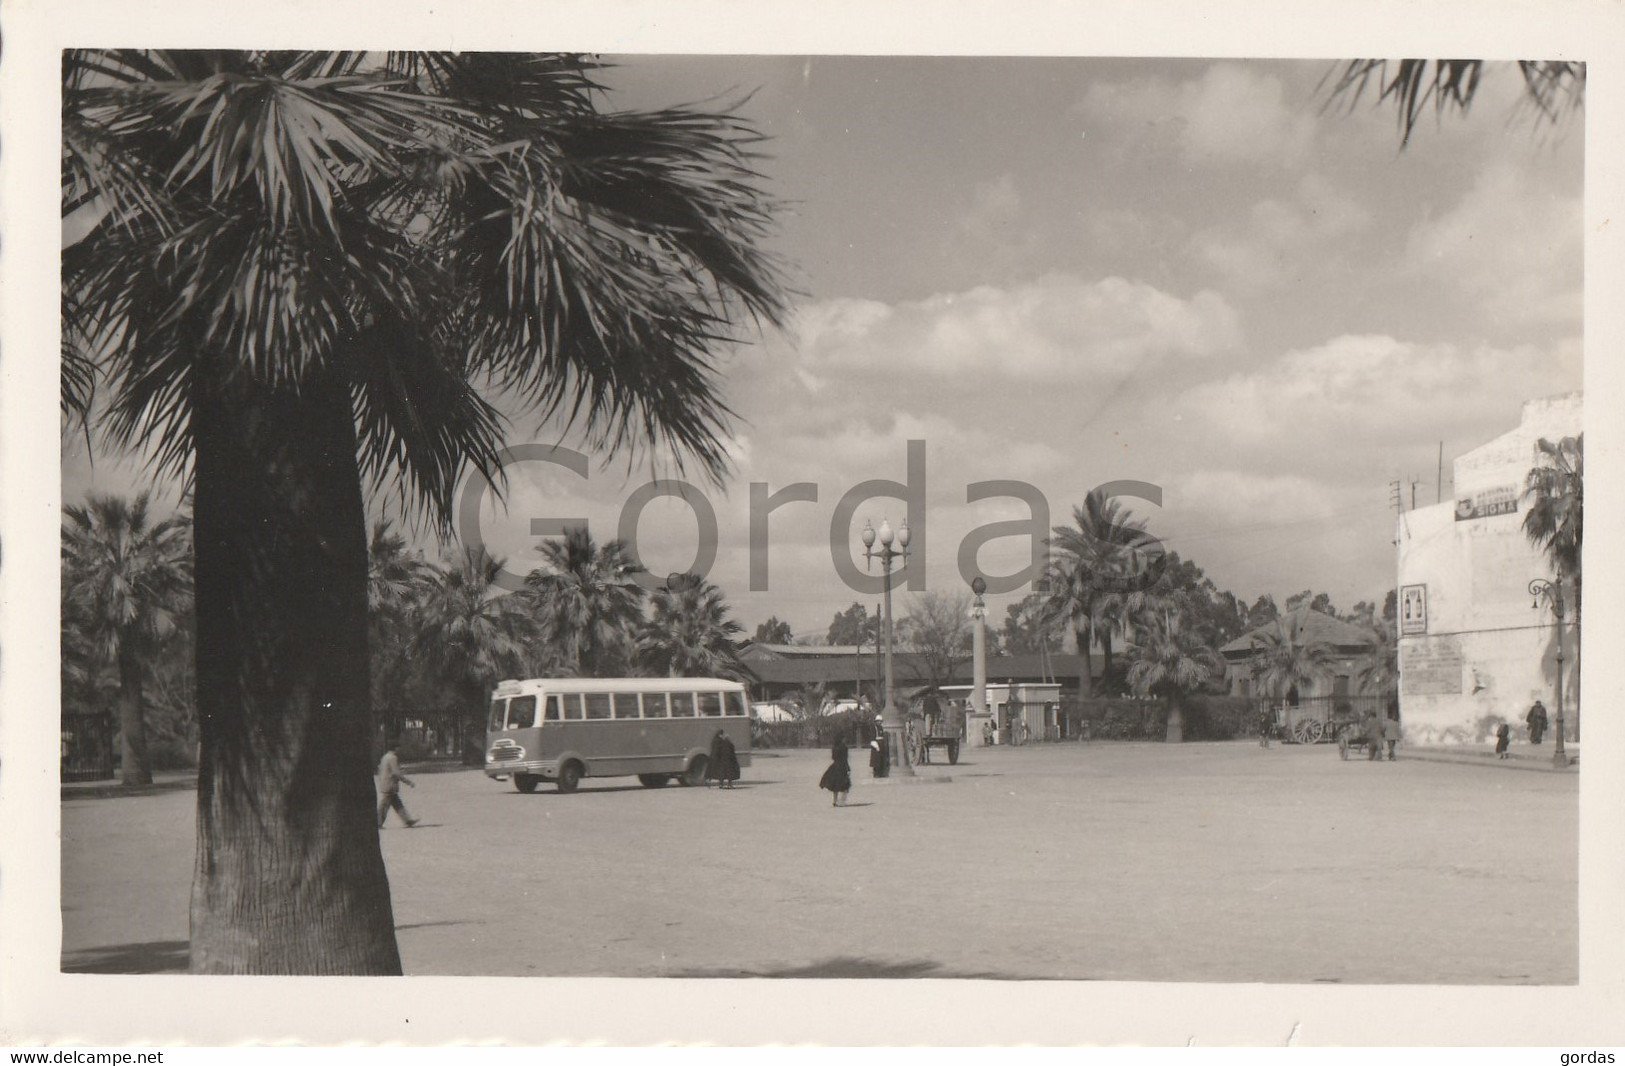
(390, 780)
(1390, 733)
(987, 733)
(1266, 724)
(1373, 737)
(1537, 722)
(723, 764)
(1503, 740)
(838, 778)
(880, 755)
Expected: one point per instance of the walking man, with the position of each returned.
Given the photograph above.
(390, 780)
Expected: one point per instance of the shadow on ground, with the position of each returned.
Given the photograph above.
(153, 956)
(847, 966)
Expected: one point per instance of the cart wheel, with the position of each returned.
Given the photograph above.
(1314, 729)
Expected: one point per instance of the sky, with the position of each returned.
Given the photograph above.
(1066, 272)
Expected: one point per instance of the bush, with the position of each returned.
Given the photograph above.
(1220, 717)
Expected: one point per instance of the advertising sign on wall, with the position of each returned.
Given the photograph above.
(1413, 609)
(1430, 667)
(1500, 500)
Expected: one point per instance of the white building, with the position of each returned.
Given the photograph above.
(1473, 652)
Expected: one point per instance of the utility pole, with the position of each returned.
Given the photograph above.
(1439, 493)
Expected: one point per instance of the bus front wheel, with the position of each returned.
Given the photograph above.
(526, 782)
(569, 776)
(695, 774)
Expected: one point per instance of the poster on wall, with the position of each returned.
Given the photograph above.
(1413, 610)
(1431, 667)
(1501, 500)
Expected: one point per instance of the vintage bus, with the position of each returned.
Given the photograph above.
(658, 728)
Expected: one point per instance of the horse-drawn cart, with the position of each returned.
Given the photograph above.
(944, 728)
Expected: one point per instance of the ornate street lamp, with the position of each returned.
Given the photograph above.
(891, 718)
(1552, 592)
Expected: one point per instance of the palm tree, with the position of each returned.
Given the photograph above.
(588, 602)
(1553, 89)
(1094, 573)
(298, 270)
(1378, 672)
(1283, 662)
(689, 633)
(471, 633)
(1169, 660)
(396, 581)
(1555, 489)
(124, 577)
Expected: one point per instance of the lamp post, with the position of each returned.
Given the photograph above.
(892, 716)
(1552, 592)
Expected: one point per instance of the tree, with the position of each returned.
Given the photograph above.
(1378, 672)
(1024, 632)
(589, 604)
(472, 635)
(854, 626)
(938, 630)
(297, 272)
(1097, 569)
(1262, 612)
(1554, 522)
(1282, 662)
(124, 581)
(1554, 90)
(774, 631)
(689, 633)
(1170, 661)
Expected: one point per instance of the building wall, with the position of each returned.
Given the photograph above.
(1486, 654)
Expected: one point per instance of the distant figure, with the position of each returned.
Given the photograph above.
(1266, 724)
(1373, 737)
(838, 778)
(1537, 722)
(390, 780)
(1390, 733)
(1503, 740)
(880, 755)
(988, 733)
(723, 765)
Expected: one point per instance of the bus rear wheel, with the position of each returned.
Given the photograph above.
(654, 780)
(695, 774)
(526, 782)
(569, 776)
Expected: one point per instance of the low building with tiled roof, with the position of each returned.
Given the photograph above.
(1348, 643)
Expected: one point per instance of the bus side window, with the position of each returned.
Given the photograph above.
(572, 707)
(522, 712)
(710, 704)
(499, 708)
(597, 705)
(741, 705)
(626, 705)
(654, 705)
(682, 705)
(555, 709)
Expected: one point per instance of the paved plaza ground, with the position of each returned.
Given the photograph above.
(1196, 862)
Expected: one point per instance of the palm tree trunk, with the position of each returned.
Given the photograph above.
(132, 726)
(1105, 657)
(1176, 721)
(1575, 687)
(289, 876)
(1084, 640)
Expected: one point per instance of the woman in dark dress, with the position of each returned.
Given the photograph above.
(838, 778)
(723, 765)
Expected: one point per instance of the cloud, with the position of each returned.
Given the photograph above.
(1369, 400)
(1515, 251)
(1230, 113)
(1057, 328)
(1280, 239)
